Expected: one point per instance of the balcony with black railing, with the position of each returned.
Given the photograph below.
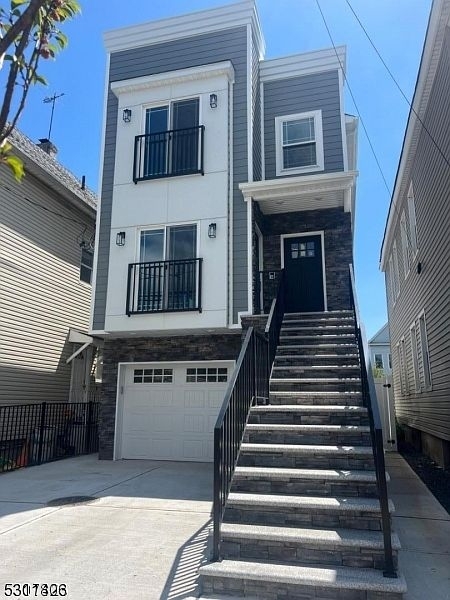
(169, 153)
(164, 286)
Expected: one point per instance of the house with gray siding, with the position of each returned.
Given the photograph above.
(228, 180)
(47, 226)
(415, 254)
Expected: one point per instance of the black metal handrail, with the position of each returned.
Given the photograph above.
(275, 319)
(265, 287)
(169, 153)
(164, 286)
(376, 431)
(250, 381)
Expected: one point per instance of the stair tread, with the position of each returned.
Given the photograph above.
(319, 393)
(340, 475)
(310, 408)
(331, 577)
(315, 428)
(315, 379)
(308, 449)
(307, 367)
(324, 503)
(334, 537)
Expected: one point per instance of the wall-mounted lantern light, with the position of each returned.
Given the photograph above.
(212, 229)
(120, 238)
(126, 115)
(213, 100)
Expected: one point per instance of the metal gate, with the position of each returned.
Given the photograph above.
(385, 399)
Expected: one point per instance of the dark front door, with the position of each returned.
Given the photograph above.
(304, 274)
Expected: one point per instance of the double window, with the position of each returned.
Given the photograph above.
(299, 143)
(172, 139)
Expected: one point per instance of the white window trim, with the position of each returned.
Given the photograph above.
(411, 201)
(320, 165)
(405, 245)
(165, 227)
(396, 271)
(415, 358)
(425, 349)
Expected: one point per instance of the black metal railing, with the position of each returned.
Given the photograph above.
(164, 286)
(32, 434)
(265, 288)
(250, 381)
(275, 319)
(376, 431)
(168, 153)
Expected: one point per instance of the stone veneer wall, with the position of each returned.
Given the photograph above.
(150, 349)
(336, 225)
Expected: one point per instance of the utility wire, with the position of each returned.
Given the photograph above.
(353, 98)
(398, 85)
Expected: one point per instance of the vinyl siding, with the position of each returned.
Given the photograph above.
(319, 91)
(428, 411)
(256, 112)
(209, 48)
(41, 295)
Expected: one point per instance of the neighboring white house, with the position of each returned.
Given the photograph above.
(380, 351)
(47, 228)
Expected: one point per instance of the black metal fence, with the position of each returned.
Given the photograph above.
(32, 434)
(168, 153)
(164, 286)
(376, 431)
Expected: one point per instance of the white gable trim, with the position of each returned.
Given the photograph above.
(306, 63)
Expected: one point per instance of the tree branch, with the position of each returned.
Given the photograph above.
(24, 21)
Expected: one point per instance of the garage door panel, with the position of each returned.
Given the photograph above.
(172, 420)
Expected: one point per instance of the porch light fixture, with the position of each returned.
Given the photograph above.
(126, 115)
(120, 238)
(212, 229)
(213, 100)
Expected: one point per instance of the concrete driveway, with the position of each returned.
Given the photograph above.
(143, 537)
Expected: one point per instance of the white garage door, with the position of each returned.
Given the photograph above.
(169, 409)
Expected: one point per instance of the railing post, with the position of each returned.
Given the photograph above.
(389, 569)
(41, 431)
(216, 494)
(87, 438)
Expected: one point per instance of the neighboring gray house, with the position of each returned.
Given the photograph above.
(415, 254)
(380, 351)
(47, 226)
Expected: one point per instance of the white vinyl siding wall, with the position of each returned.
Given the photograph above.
(41, 295)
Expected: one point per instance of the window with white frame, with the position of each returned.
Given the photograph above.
(390, 282)
(299, 143)
(421, 357)
(207, 375)
(415, 355)
(153, 376)
(378, 361)
(424, 351)
(396, 270)
(406, 245)
(412, 220)
(403, 378)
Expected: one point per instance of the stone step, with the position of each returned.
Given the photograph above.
(315, 383)
(307, 434)
(316, 398)
(309, 414)
(337, 361)
(306, 511)
(291, 328)
(311, 456)
(319, 320)
(306, 349)
(290, 545)
(327, 370)
(269, 581)
(304, 482)
(316, 338)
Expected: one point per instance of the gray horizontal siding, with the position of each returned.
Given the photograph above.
(214, 47)
(256, 112)
(41, 295)
(428, 411)
(319, 91)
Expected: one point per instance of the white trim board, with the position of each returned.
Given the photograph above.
(296, 65)
(322, 241)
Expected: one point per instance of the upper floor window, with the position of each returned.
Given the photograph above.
(172, 142)
(299, 143)
(412, 220)
(87, 260)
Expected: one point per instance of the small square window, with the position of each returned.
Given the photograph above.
(153, 376)
(210, 375)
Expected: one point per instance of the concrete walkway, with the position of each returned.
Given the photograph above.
(143, 538)
(423, 526)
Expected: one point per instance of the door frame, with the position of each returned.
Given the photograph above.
(120, 397)
(283, 236)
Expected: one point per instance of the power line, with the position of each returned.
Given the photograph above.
(353, 98)
(398, 85)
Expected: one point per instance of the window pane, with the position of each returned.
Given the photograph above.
(378, 361)
(295, 132)
(182, 243)
(299, 156)
(156, 119)
(152, 245)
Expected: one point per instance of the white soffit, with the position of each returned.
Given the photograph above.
(439, 20)
(173, 77)
(296, 65)
(195, 23)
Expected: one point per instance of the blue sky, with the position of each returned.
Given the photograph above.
(289, 26)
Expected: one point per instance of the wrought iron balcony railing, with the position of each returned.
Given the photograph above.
(164, 286)
(168, 153)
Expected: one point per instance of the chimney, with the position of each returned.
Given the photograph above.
(47, 146)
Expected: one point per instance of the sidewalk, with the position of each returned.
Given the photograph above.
(423, 527)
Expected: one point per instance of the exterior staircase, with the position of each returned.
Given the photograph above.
(302, 519)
